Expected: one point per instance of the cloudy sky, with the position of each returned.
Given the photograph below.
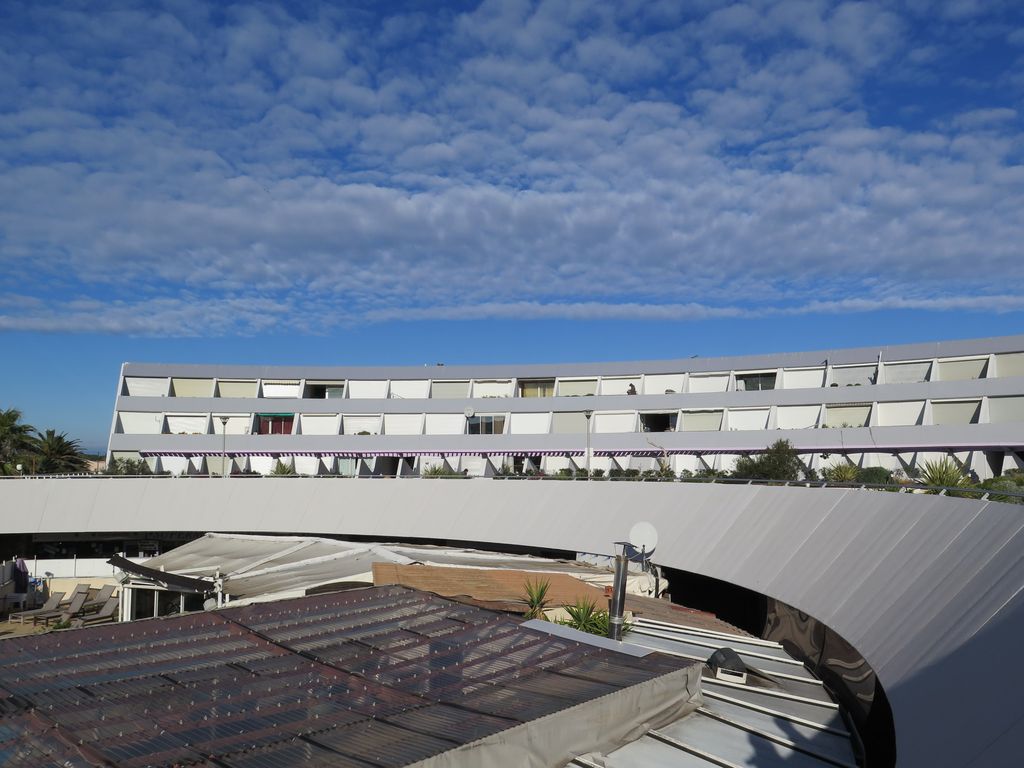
(476, 182)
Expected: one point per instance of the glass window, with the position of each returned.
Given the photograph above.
(274, 423)
(486, 425)
(536, 387)
(754, 382)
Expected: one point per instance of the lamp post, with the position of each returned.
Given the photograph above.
(588, 414)
(224, 446)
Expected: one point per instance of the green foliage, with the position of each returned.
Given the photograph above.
(15, 441)
(440, 470)
(1011, 481)
(585, 616)
(505, 470)
(283, 470)
(597, 473)
(945, 472)
(127, 467)
(57, 454)
(710, 474)
(841, 473)
(38, 452)
(874, 476)
(536, 598)
(624, 474)
(778, 462)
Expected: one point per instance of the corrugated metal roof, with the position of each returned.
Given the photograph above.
(783, 718)
(384, 676)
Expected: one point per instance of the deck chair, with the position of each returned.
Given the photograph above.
(107, 613)
(50, 605)
(62, 612)
(97, 603)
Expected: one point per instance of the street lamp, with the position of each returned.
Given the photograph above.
(224, 446)
(588, 414)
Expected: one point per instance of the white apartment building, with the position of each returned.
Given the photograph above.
(894, 407)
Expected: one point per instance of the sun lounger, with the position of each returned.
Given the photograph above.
(97, 603)
(107, 613)
(63, 613)
(50, 605)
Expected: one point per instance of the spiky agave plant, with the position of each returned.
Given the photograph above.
(536, 598)
(841, 473)
(945, 473)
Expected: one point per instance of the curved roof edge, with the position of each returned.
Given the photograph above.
(925, 350)
(926, 588)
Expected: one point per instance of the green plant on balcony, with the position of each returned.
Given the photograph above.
(945, 473)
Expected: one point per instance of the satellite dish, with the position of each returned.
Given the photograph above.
(470, 413)
(643, 537)
(209, 604)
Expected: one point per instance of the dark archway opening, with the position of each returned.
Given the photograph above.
(844, 672)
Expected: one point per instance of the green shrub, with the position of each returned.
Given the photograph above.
(440, 470)
(841, 473)
(1005, 483)
(945, 472)
(585, 616)
(778, 462)
(874, 476)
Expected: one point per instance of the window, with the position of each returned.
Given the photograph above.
(754, 382)
(446, 390)
(324, 390)
(658, 422)
(536, 387)
(274, 423)
(237, 388)
(577, 387)
(142, 386)
(280, 388)
(192, 387)
(485, 425)
(853, 376)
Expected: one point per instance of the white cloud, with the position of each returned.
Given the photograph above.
(521, 160)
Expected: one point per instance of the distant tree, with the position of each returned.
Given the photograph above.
(778, 462)
(128, 467)
(56, 454)
(15, 440)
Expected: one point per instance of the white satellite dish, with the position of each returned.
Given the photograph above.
(470, 413)
(643, 537)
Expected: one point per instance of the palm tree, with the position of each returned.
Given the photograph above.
(15, 440)
(56, 454)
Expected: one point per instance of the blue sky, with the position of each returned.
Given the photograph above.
(511, 181)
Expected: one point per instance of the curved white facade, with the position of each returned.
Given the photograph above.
(893, 407)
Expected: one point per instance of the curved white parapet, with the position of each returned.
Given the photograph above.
(928, 589)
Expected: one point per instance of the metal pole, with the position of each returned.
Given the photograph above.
(588, 414)
(618, 606)
(224, 446)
